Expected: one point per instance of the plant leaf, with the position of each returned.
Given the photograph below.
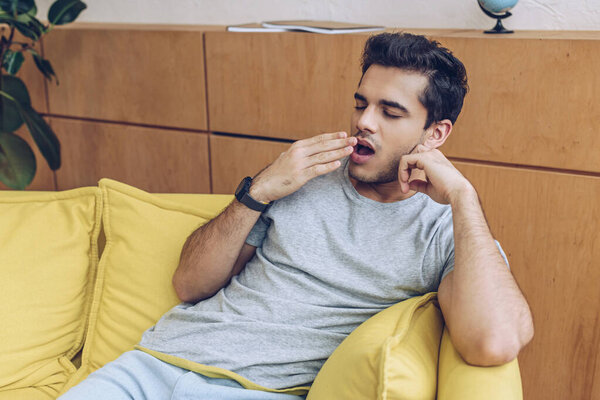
(44, 66)
(17, 161)
(65, 11)
(36, 24)
(43, 135)
(30, 30)
(15, 87)
(41, 132)
(6, 18)
(32, 23)
(33, 11)
(12, 61)
(17, 6)
(10, 117)
(28, 25)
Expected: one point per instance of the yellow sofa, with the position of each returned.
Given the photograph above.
(85, 271)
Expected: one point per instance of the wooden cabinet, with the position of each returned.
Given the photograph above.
(152, 159)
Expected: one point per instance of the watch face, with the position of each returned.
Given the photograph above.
(244, 184)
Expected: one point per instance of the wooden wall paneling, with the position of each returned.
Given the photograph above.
(122, 73)
(285, 85)
(44, 177)
(234, 158)
(532, 101)
(152, 159)
(548, 224)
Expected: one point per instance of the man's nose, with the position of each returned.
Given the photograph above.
(367, 120)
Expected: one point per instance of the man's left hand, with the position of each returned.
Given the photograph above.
(444, 182)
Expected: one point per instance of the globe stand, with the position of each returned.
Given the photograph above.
(499, 28)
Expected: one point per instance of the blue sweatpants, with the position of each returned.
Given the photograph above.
(140, 376)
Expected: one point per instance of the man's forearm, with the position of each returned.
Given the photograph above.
(490, 312)
(210, 252)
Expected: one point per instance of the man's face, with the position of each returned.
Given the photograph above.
(389, 118)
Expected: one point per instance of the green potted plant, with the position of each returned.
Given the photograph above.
(17, 161)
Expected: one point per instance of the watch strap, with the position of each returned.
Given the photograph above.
(243, 196)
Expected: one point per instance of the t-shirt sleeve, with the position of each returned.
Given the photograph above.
(447, 247)
(258, 232)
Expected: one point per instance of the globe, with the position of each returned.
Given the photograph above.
(498, 9)
(498, 6)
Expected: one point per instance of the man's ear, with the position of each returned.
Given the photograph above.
(437, 133)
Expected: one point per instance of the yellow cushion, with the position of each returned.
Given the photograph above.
(458, 380)
(144, 236)
(48, 259)
(392, 355)
(30, 393)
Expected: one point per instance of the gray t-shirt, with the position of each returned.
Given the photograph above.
(327, 259)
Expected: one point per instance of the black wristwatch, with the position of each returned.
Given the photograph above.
(243, 196)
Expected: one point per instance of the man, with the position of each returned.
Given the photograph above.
(335, 230)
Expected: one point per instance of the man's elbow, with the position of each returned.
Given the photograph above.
(493, 352)
(188, 293)
(182, 289)
(498, 346)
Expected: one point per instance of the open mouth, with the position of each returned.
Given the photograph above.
(363, 151)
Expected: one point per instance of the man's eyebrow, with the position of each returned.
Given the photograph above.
(388, 103)
(359, 97)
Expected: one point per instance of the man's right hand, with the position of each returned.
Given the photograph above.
(304, 160)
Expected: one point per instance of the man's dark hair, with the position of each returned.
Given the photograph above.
(443, 97)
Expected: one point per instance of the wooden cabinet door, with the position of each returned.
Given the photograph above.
(152, 159)
(233, 158)
(147, 75)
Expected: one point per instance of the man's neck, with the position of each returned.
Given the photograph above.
(381, 192)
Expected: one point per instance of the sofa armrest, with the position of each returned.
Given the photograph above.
(458, 380)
